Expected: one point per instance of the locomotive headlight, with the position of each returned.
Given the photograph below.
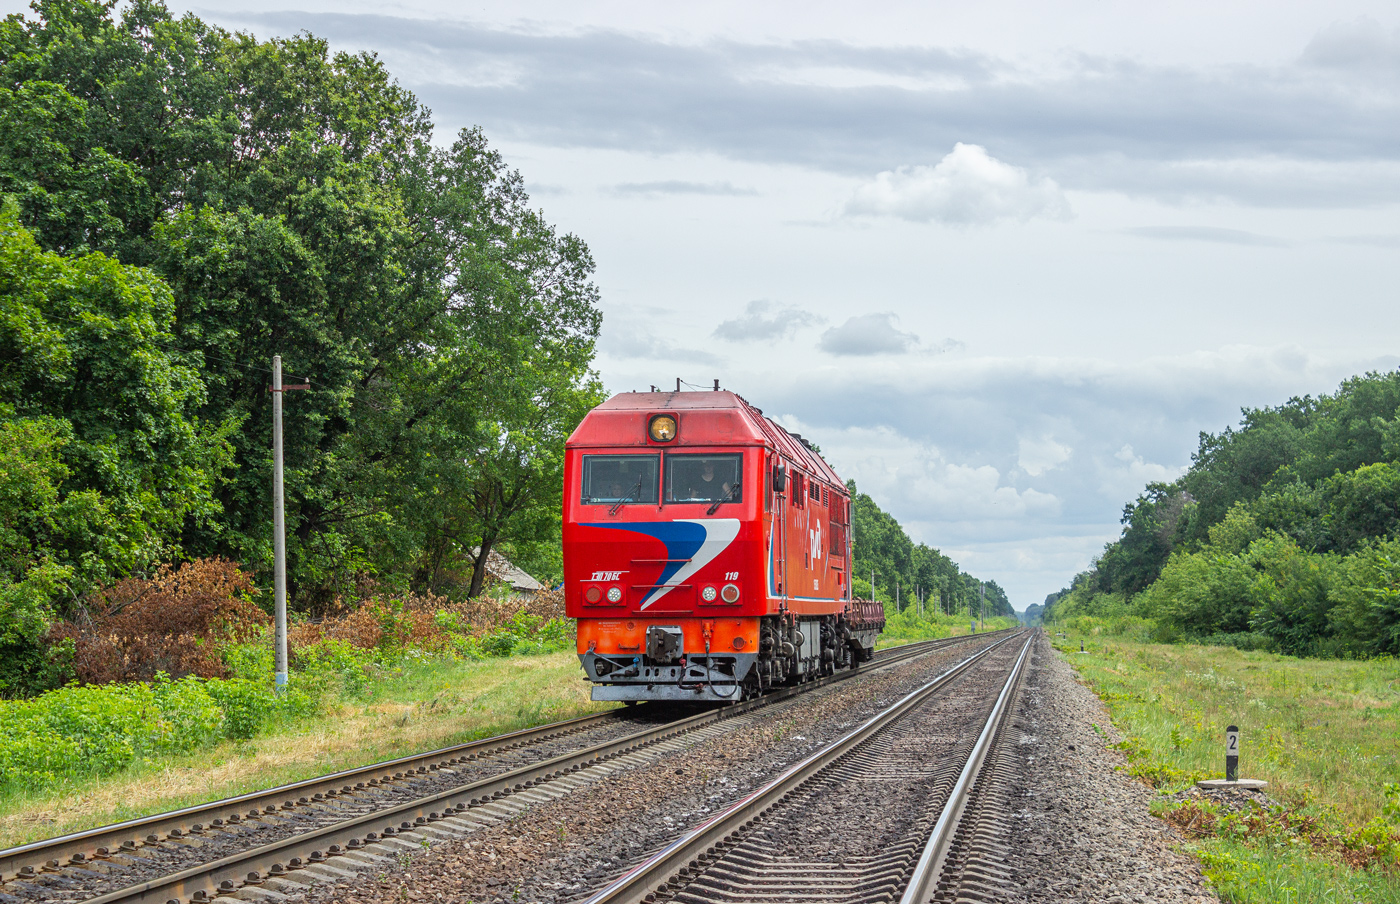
(709, 594)
(730, 593)
(614, 594)
(662, 428)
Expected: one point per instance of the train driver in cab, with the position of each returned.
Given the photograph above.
(705, 479)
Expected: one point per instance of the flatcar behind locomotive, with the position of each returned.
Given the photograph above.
(707, 552)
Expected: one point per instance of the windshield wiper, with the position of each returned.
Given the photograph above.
(617, 505)
(733, 488)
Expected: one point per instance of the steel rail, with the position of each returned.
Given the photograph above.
(202, 880)
(105, 840)
(923, 882)
(653, 876)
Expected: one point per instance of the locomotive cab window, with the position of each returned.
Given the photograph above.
(704, 478)
(616, 478)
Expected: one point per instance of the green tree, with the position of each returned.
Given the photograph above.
(103, 413)
(295, 202)
(1367, 616)
(1200, 594)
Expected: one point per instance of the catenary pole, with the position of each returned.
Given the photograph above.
(279, 523)
(279, 527)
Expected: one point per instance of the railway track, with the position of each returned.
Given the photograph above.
(250, 844)
(905, 807)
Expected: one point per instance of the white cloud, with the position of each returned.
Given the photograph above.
(967, 188)
(1038, 455)
(1205, 234)
(1134, 474)
(868, 334)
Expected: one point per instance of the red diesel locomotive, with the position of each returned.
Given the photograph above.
(706, 552)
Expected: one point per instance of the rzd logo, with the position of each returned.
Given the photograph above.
(814, 537)
(605, 575)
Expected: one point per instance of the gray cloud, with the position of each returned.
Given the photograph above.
(675, 187)
(1205, 234)
(1374, 241)
(627, 335)
(868, 334)
(1238, 132)
(763, 320)
(945, 445)
(1362, 44)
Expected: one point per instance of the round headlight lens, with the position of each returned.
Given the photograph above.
(614, 594)
(709, 594)
(663, 428)
(730, 593)
(592, 594)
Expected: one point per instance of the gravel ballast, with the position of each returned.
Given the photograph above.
(1081, 829)
(566, 849)
(1077, 828)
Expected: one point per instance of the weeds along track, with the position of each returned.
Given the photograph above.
(264, 840)
(904, 808)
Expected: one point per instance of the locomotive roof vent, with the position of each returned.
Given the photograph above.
(662, 428)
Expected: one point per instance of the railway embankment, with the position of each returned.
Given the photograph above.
(1321, 732)
(566, 849)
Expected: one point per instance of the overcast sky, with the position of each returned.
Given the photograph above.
(1003, 261)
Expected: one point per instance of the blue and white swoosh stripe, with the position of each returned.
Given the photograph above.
(696, 540)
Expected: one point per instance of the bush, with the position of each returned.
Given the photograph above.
(91, 731)
(246, 706)
(170, 623)
(1242, 640)
(332, 666)
(1126, 626)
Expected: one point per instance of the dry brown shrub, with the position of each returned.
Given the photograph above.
(411, 620)
(486, 613)
(169, 623)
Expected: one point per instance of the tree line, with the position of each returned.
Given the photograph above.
(179, 203)
(904, 571)
(1284, 533)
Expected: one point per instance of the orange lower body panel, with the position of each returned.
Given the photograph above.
(627, 636)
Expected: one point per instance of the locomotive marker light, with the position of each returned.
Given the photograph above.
(709, 594)
(1232, 767)
(614, 594)
(662, 428)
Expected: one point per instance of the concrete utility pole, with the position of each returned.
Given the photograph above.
(279, 523)
(982, 606)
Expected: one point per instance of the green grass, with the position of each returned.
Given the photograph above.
(1289, 874)
(421, 706)
(909, 626)
(1322, 732)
